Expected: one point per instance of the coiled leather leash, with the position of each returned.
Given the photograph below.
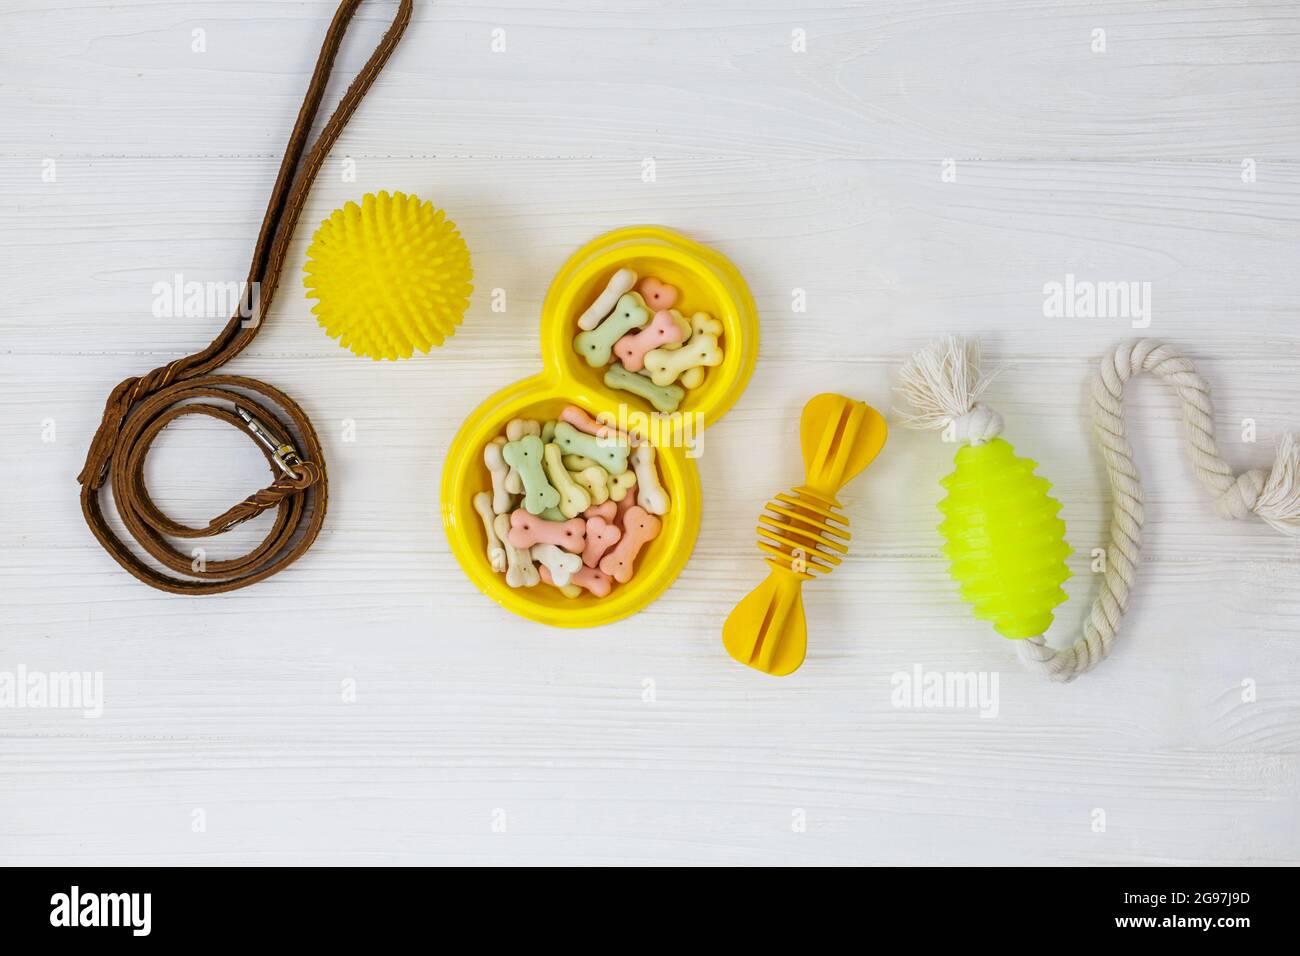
(142, 406)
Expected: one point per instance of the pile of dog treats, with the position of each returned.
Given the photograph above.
(572, 504)
(654, 345)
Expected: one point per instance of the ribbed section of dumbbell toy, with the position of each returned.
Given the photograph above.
(803, 532)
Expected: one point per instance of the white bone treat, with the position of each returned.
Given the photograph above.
(561, 564)
(517, 428)
(620, 282)
(514, 484)
(502, 500)
(496, 552)
(650, 494)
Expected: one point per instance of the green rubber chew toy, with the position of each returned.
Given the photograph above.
(1005, 542)
(1003, 537)
(1001, 532)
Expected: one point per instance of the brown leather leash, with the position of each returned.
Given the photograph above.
(142, 406)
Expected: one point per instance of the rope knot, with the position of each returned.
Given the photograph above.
(1238, 500)
(981, 424)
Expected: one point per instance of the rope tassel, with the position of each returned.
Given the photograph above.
(943, 382)
(1279, 501)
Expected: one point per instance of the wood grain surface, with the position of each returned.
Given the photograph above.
(916, 169)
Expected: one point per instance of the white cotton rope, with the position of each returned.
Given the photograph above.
(943, 383)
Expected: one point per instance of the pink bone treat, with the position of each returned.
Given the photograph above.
(639, 527)
(585, 577)
(607, 510)
(527, 530)
(631, 348)
(657, 294)
(583, 422)
(620, 508)
(601, 536)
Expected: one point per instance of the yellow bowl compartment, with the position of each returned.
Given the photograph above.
(707, 282)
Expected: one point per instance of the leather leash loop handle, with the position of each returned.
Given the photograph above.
(142, 406)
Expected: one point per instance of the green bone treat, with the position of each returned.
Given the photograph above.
(597, 346)
(608, 453)
(665, 398)
(525, 457)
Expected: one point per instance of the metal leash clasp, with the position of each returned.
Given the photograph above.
(284, 454)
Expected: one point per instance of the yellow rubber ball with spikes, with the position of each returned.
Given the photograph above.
(1004, 540)
(390, 276)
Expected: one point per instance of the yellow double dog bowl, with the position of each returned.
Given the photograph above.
(708, 282)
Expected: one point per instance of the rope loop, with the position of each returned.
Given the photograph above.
(1272, 495)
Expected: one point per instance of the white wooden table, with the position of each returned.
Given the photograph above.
(815, 144)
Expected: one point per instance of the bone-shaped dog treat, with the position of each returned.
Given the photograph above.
(548, 432)
(502, 500)
(609, 454)
(639, 527)
(620, 486)
(517, 428)
(513, 483)
(704, 324)
(662, 331)
(592, 579)
(527, 530)
(496, 552)
(569, 590)
(601, 536)
(585, 423)
(659, 294)
(595, 346)
(620, 282)
(620, 509)
(553, 514)
(579, 463)
(595, 481)
(664, 399)
(682, 323)
(650, 493)
(574, 498)
(701, 323)
(520, 572)
(608, 511)
(561, 565)
(665, 364)
(525, 455)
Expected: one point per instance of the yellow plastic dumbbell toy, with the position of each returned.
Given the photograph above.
(803, 534)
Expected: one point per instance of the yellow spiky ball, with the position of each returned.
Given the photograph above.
(390, 276)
